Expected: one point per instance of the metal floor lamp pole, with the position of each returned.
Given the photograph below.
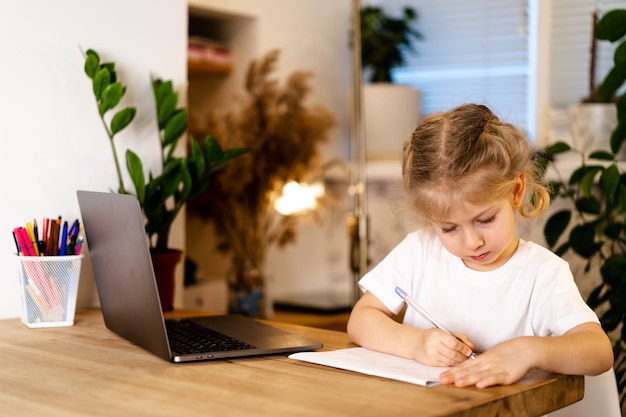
(358, 219)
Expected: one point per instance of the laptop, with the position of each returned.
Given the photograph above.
(120, 256)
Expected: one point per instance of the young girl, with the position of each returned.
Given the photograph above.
(513, 302)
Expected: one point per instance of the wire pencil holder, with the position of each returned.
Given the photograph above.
(48, 289)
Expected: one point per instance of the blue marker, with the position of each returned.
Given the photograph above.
(63, 240)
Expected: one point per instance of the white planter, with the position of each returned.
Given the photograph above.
(390, 113)
(591, 125)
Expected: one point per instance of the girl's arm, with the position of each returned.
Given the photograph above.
(583, 350)
(372, 326)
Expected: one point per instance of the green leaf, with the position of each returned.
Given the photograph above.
(613, 271)
(619, 57)
(196, 157)
(577, 175)
(602, 155)
(135, 170)
(619, 135)
(216, 157)
(92, 63)
(597, 297)
(111, 67)
(555, 226)
(589, 205)
(621, 109)
(609, 180)
(212, 150)
(234, 152)
(175, 127)
(166, 107)
(582, 240)
(561, 250)
(121, 119)
(622, 198)
(623, 338)
(154, 207)
(172, 176)
(162, 90)
(612, 82)
(100, 81)
(587, 181)
(611, 319)
(612, 26)
(557, 148)
(613, 231)
(187, 182)
(111, 97)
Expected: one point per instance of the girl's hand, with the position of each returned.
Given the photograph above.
(505, 364)
(435, 347)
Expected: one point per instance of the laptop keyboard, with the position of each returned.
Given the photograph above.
(188, 337)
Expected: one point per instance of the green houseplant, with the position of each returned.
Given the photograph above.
(595, 228)
(612, 28)
(390, 110)
(384, 39)
(163, 194)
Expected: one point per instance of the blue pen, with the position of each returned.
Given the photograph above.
(72, 236)
(63, 239)
(402, 294)
(74, 229)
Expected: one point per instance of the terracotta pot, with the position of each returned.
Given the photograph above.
(164, 264)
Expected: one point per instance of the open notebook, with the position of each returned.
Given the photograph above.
(375, 363)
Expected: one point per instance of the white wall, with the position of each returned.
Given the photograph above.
(53, 141)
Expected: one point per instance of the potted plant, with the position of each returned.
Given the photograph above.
(594, 119)
(163, 194)
(595, 227)
(390, 110)
(384, 40)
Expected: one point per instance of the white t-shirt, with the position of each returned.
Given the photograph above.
(533, 293)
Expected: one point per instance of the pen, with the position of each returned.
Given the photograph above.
(402, 294)
(24, 240)
(72, 236)
(55, 237)
(63, 246)
(31, 236)
(38, 243)
(46, 231)
(79, 244)
(35, 230)
(17, 244)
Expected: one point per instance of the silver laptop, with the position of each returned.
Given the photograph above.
(118, 247)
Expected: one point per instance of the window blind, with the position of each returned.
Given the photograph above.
(471, 52)
(570, 49)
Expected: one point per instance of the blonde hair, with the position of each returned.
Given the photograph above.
(468, 155)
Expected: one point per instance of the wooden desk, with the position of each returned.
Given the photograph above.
(88, 370)
(330, 321)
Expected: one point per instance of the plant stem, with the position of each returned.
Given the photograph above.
(121, 189)
(594, 56)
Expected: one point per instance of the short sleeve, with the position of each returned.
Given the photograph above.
(557, 303)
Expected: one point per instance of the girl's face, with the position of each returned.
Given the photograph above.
(482, 235)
